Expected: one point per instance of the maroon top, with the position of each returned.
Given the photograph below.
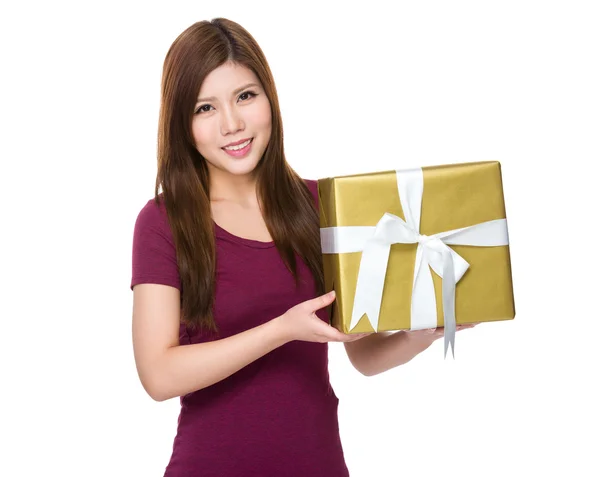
(278, 415)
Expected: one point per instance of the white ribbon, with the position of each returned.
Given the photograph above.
(432, 250)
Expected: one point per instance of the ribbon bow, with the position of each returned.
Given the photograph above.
(432, 250)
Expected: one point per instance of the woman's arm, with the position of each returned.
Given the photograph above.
(168, 370)
(382, 351)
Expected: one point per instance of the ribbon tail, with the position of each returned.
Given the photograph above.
(370, 283)
(449, 303)
(449, 340)
(423, 311)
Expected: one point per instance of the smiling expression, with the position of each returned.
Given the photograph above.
(232, 106)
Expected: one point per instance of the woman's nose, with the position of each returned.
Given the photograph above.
(231, 121)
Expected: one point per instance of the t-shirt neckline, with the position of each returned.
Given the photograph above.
(224, 234)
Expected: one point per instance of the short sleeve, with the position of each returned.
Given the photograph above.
(154, 259)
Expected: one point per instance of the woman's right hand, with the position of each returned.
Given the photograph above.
(301, 323)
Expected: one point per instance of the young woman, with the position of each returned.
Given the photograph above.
(229, 312)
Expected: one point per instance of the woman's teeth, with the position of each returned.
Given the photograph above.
(239, 146)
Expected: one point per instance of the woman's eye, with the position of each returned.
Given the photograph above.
(249, 93)
(202, 110)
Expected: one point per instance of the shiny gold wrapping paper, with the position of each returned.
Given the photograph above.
(454, 196)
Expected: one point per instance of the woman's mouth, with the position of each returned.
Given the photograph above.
(240, 150)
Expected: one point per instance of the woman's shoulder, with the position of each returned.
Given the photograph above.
(153, 216)
(154, 259)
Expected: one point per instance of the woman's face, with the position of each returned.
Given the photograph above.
(232, 106)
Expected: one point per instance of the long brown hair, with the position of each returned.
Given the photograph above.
(286, 202)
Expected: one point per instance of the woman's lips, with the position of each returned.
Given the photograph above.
(240, 152)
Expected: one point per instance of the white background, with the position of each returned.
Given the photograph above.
(363, 87)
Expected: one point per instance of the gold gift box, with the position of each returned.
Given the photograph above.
(454, 196)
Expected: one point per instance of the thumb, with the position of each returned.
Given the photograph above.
(321, 301)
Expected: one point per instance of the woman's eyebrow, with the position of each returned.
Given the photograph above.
(212, 98)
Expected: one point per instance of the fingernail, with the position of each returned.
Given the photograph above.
(332, 293)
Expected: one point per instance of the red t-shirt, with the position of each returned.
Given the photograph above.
(278, 415)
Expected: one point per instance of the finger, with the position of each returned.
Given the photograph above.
(427, 331)
(465, 326)
(321, 301)
(350, 338)
(343, 337)
(356, 337)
